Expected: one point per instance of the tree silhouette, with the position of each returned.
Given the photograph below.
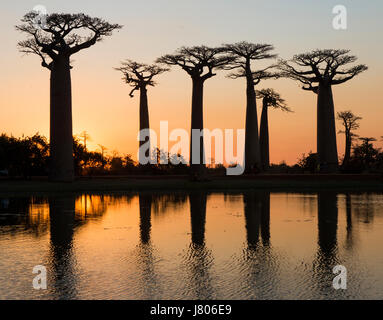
(55, 42)
(243, 53)
(270, 98)
(139, 76)
(318, 71)
(199, 62)
(85, 136)
(366, 153)
(350, 123)
(103, 150)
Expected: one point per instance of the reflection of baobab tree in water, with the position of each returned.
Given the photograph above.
(365, 210)
(258, 266)
(198, 259)
(349, 239)
(145, 252)
(162, 203)
(24, 215)
(62, 260)
(257, 216)
(327, 255)
(145, 217)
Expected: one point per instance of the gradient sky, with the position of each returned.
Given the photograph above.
(101, 103)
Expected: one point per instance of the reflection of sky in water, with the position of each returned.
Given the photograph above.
(253, 245)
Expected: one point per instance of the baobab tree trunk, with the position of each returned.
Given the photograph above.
(144, 121)
(326, 134)
(197, 169)
(145, 203)
(252, 149)
(264, 137)
(61, 134)
(327, 222)
(198, 216)
(347, 152)
(252, 209)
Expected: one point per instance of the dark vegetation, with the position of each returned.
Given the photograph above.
(29, 156)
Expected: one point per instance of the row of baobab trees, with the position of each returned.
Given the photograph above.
(60, 37)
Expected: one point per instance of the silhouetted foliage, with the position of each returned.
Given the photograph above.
(242, 55)
(318, 71)
(25, 156)
(350, 123)
(55, 40)
(270, 99)
(321, 67)
(309, 162)
(199, 62)
(139, 75)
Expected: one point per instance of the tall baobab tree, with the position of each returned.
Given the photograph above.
(350, 123)
(318, 71)
(243, 53)
(270, 99)
(199, 62)
(55, 41)
(139, 76)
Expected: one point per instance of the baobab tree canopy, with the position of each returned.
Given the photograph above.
(273, 99)
(199, 61)
(139, 75)
(252, 51)
(61, 34)
(326, 67)
(349, 121)
(242, 53)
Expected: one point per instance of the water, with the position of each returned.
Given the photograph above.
(250, 245)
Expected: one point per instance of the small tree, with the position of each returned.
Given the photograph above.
(55, 42)
(270, 99)
(139, 76)
(243, 54)
(199, 63)
(365, 153)
(350, 123)
(318, 71)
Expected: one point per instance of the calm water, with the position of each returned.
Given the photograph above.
(250, 245)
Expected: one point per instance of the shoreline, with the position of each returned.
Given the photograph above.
(272, 182)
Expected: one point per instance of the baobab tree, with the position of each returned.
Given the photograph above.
(270, 99)
(350, 123)
(318, 71)
(55, 41)
(199, 62)
(139, 76)
(243, 53)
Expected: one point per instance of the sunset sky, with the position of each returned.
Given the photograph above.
(101, 102)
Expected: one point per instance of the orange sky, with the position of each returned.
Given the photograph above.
(101, 102)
